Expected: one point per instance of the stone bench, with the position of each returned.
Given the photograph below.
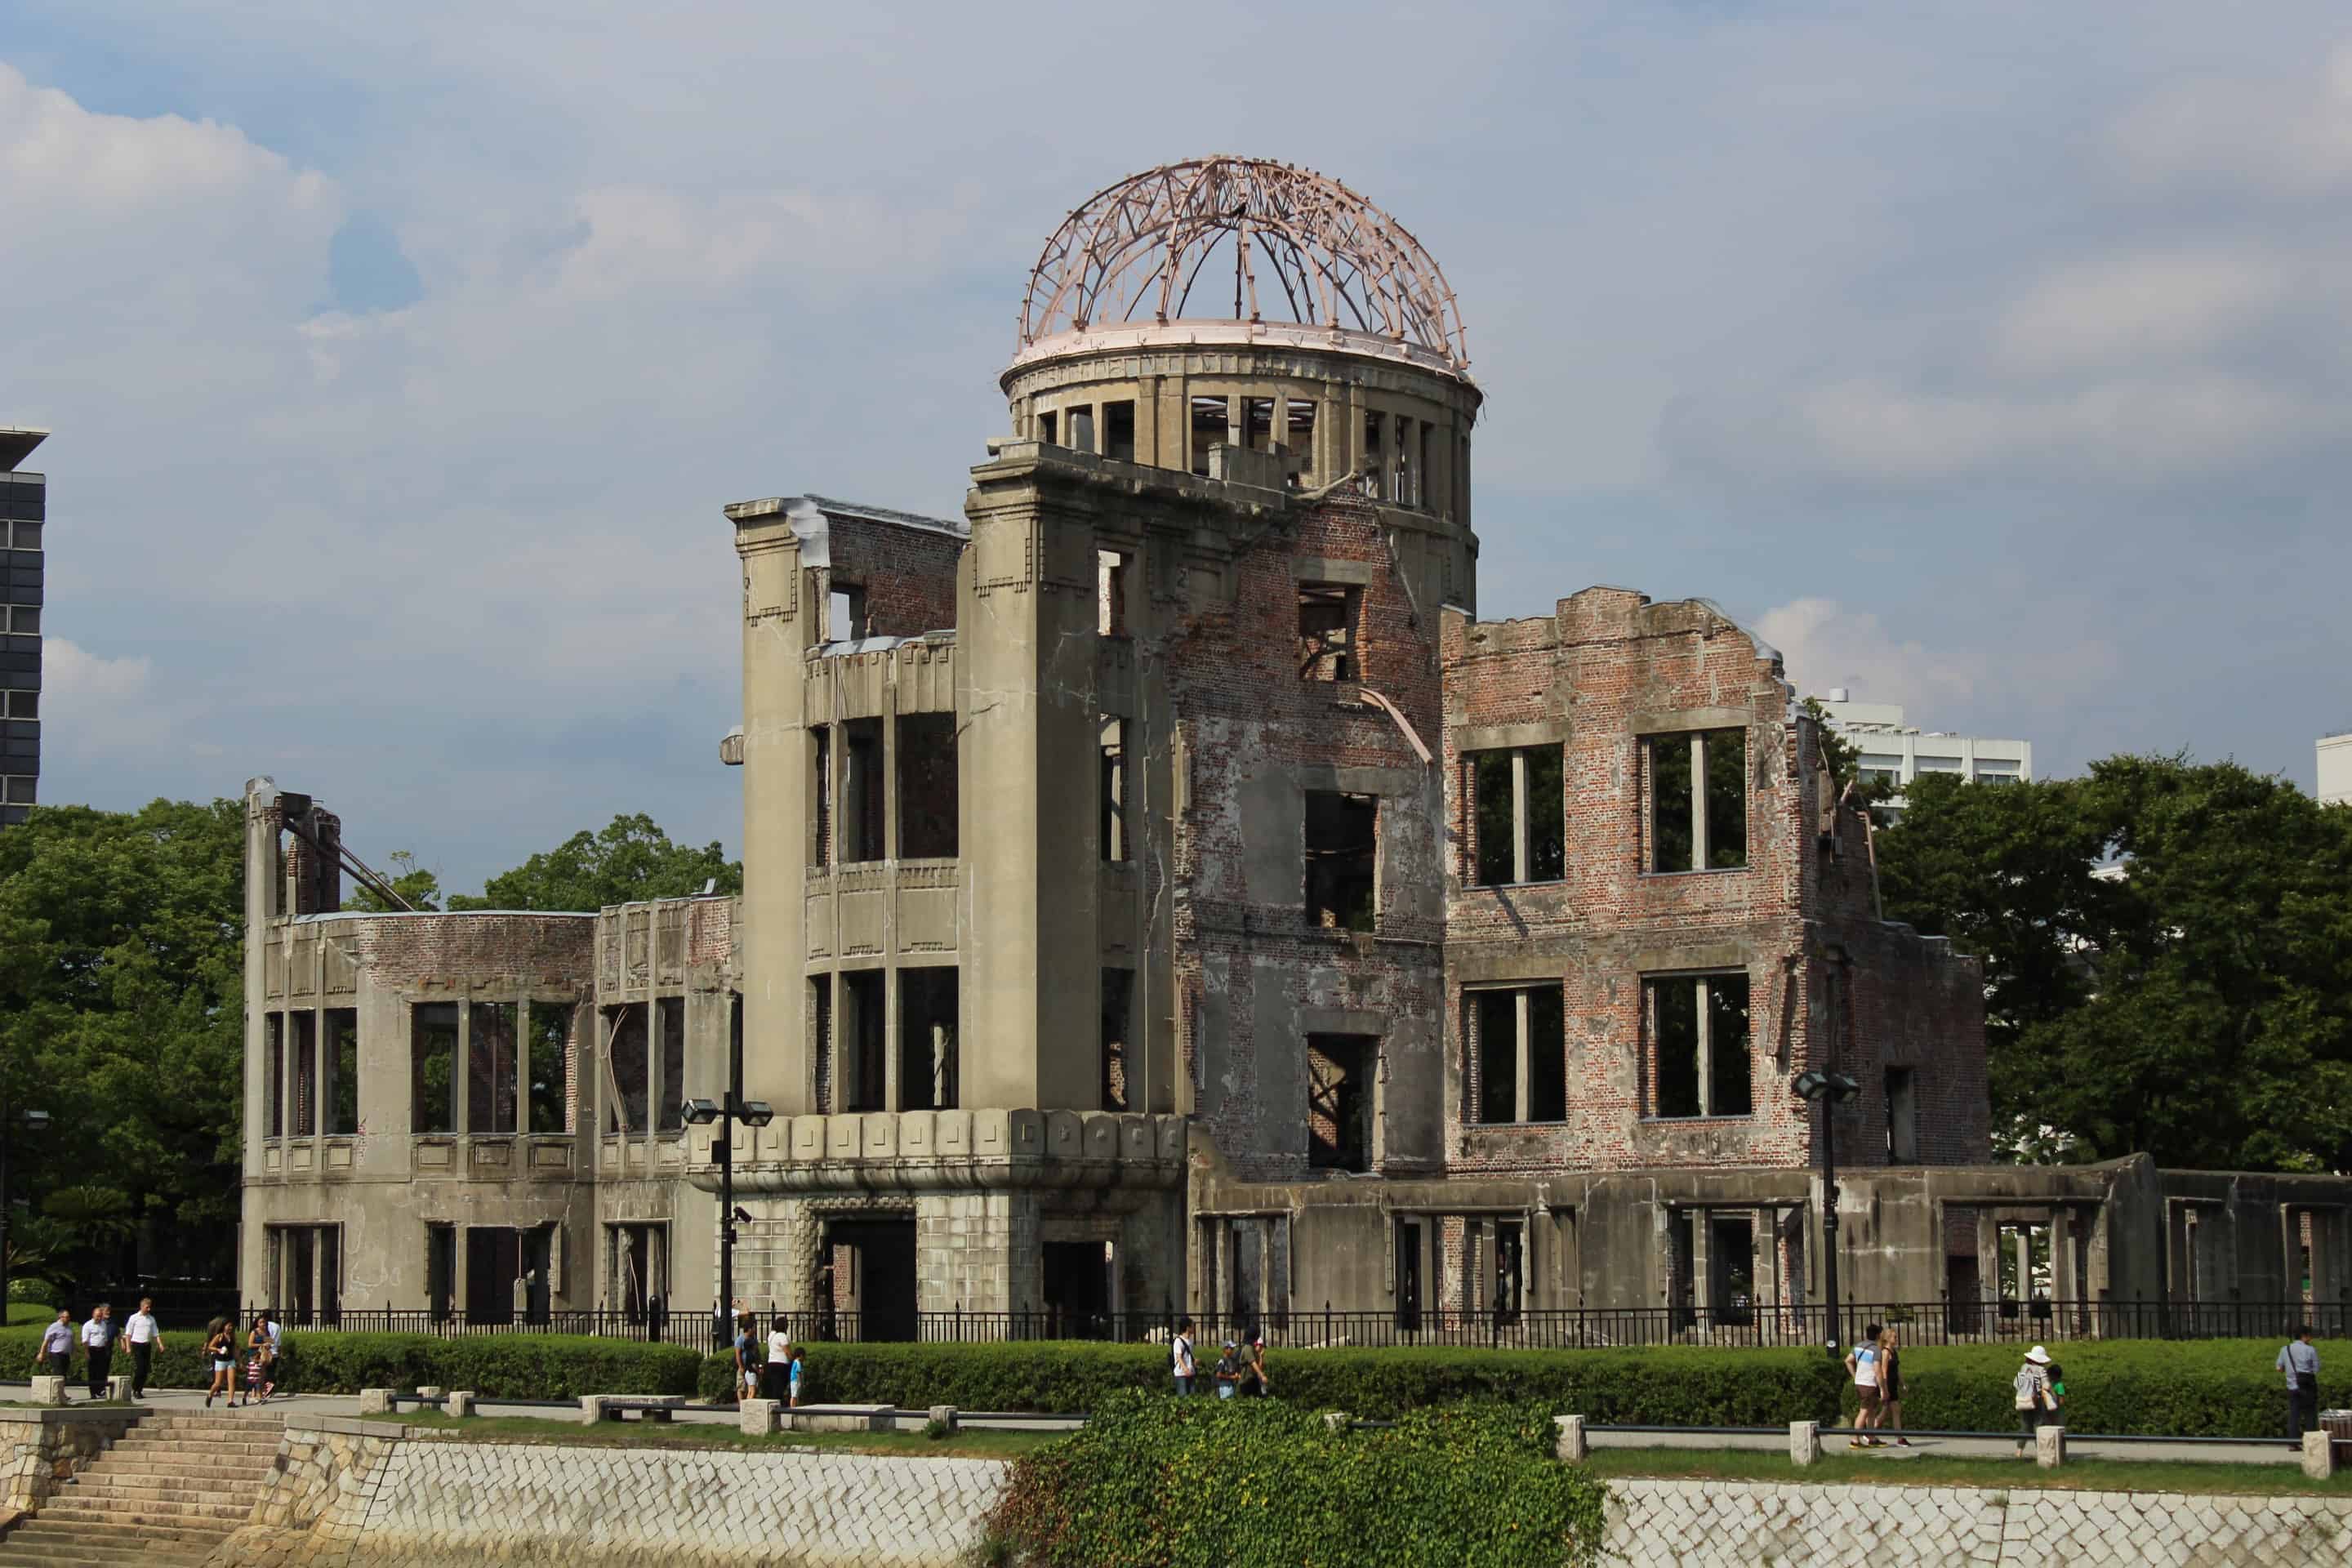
(595, 1408)
(765, 1417)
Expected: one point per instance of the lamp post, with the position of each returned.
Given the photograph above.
(1829, 1091)
(34, 1121)
(726, 1113)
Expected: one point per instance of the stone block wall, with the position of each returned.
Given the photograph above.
(42, 1449)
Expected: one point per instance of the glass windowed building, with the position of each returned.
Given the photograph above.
(23, 514)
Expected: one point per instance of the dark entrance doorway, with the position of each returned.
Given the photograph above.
(879, 1258)
(1077, 1290)
(493, 1263)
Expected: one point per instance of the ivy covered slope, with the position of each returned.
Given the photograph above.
(1205, 1483)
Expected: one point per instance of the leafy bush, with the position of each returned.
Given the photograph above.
(1207, 1483)
(2198, 1388)
(40, 1292)
(515, 1366)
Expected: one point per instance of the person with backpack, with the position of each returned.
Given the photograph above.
(2035, 1401)
(1255, 1382)
(1229, 1372)
(2300, 1361)
(1181, 1359)
(792, 1382)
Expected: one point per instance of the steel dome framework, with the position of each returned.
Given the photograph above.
(1285, 242)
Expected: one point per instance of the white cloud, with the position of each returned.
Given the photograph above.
(1823, 644)
(2290, 137)
(2146, 306)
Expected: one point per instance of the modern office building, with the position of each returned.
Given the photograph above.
(1893, 751)
(23, 509)
(2335, 769)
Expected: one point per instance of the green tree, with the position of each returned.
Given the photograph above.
(630, 859)
(419, 888)
(2167, 951)
(121, 990)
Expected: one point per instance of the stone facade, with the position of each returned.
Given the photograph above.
(41, 1450)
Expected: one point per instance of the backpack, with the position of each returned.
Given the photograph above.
(1180, 1351)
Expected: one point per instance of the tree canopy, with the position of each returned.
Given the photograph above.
(630, 860)
(2167, 951)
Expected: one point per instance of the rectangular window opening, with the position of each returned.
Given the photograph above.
(343, 1061)
(273, 1057)
(1211, 426)
(441, 1269)
(845, 613)
(1519, 818)
(1902, 1117)
(926, 786)
(432, 1067)
(861, 791)
(626, 1046)
(1049, 428)
(1339, 1077)
(490, 1068)
(302, 1047)
(1082, 429)
(1258, 424)
(1327, 631)
(550, 1066)
(821, 795)
(1111, 801)
(1298, 434)
(1110, 592)
(671, 1011)
(1519, 1053)
(1118, 430)
(1699, 801)
(1701, 1064)
(927, 1038)
(1117, 1016)
(863, 1075)
(821, 1043)
(1342, 854)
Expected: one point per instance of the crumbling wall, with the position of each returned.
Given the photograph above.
(906, 570)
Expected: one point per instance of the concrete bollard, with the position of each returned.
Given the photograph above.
(757, 1417)
(461, 1403)
(430, 1391)
(591, 1407)
(2050, 1446)
(48, 1391)
(1804, 1442)
(118, 1387)
(376, 1402)
(1570, 1448)
(945, 1414)
(2319, 1456)
(1336, 1420)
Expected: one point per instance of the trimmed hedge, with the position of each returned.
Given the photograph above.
(516, 1366)
(2194, 1388)
(1206, 1483)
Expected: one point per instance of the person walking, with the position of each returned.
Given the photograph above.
(1228, 1373)
(220, 1354)
(1890, 1386)
(2035, 1400)
(97, 1348)
(145, 1337)
(777, 1383)
(57, 1347)
(256, 1359)
(792, 1382)
(1260, 1385)
(1180, 1358)
(275, 1367)
(747, 1359)
(2300, 1361)
(1862, 1365)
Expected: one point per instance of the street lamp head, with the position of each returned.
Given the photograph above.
(36, 1121)
(757, 1113)
(1843, 1088)
(1811, 1084)
(700, 1112)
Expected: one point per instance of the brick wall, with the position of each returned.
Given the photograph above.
(908, 574)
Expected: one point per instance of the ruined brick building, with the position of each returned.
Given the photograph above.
(1164, 893)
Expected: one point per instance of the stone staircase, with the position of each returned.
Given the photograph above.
(166, 1494)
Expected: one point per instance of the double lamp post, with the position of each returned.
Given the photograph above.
(1829, 1091)
(727, 1110)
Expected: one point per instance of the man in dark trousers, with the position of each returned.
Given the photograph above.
(146, 1337)
(98, 1345)
(2300, 1361)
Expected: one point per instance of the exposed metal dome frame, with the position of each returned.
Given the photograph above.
(1137, 253)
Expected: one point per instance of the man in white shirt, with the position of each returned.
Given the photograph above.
(146, 1337)
(57, 1345)
(97, 1345)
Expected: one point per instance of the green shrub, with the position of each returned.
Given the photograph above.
(39, 1293)
(1206, 1483)
(515, 1366)
(2195, 1388)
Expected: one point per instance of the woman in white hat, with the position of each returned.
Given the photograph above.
(2034, 1396)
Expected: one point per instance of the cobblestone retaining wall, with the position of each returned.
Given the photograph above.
(40, 1449)
(1700, 1524)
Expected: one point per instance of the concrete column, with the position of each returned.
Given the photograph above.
(1699, 813)
(1571, 1446)
(1804, 1442)
(375, 1401)
(2050, 1446)
(2319, 1456)
(758, 1417)
(461, 1404)
(780, 624)
(2024, 1248)
(1520, 1064)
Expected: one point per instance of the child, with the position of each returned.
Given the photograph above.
(1229, 1370)
(794, 1395)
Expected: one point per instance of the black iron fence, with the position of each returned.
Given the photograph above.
(1997, 1322)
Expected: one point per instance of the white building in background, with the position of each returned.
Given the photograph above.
(2336, 769)
(1889, 749)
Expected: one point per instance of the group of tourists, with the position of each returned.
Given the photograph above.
(96, 1340)
(774, 1375)
(265, 1350)
(1240, 1373)
(1876, 1364)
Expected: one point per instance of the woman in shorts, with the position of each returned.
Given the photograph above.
(258, 1355)
(220, 1353)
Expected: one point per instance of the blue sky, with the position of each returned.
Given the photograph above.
(1992, 358)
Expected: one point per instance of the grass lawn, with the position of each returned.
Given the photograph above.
(2086, 1475)
(966, 1445)
(30, 1312)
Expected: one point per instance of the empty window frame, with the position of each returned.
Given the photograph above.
(302, 1064)
(1111, 578)
(1212, 426)
(821, 1043)
(1049, 428)
(1117, 1027)
(1327, 631)
(23, 704)
(1342, 834)
(1520, 803)
(343, 1096)
(432, 1067)
(864, 1070)
(1340, 1071)
(1299, 433)
(550, 1067)
(821, 795)
(1113, 823)
(273, 1059)
(926, 786)
(1118, 430)
(670, 1011)
(626, 1045)
(1082, 427)
(491, 1067)
(845, 613)
(1699, 801)
(861, 790)
(1517, 1053)
(1258, 424)
(1698, 1032)
(927, 1038)
(1902, 1116)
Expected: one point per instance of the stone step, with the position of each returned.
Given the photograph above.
(97, 1553)
(135, 1543)
(226, 1516)
(122, 1533)
(94, 1485)
(227, 1421)
(206, 1466)
(160, 1446)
